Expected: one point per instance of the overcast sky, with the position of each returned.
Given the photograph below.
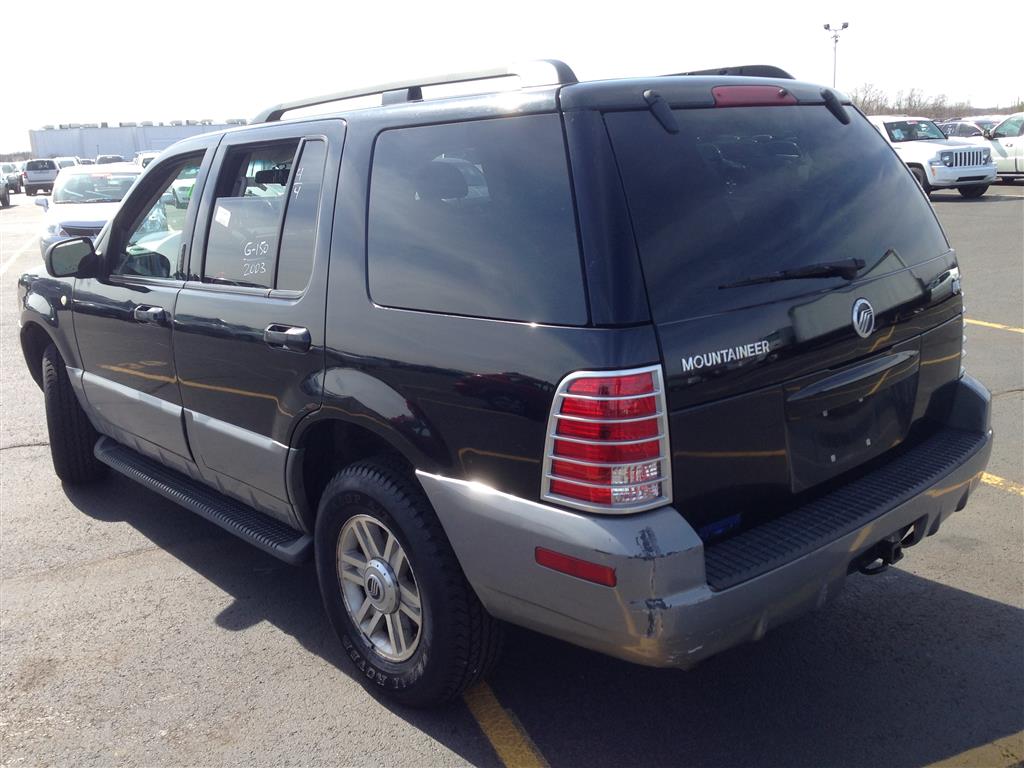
(97, 60)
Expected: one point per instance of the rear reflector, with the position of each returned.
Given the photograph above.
(581, 569)
(751, 96)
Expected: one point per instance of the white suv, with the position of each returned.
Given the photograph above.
(935, 161)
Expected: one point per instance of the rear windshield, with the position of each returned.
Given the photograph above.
(40, 165)
(743, 192)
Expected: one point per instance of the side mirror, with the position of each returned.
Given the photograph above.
(65, 258)
(987, 133)
(43, 202)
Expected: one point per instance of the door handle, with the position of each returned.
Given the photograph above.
(287, 337)
(151, 315)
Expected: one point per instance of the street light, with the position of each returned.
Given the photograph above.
(835, 44)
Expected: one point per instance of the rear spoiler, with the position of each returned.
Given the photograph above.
(745, 70)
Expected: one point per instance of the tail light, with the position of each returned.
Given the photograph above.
(607, 446)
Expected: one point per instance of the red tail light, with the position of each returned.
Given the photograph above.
(608, 448)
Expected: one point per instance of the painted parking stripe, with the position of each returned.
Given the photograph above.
(998, 326)
(514, 747)
(1001, 753)
(1002, 484)
(18, 254)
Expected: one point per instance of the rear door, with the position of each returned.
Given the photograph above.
(777, 386)
(123, 319)
(1008, 145)
(249, 326)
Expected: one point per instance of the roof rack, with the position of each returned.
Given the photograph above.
(538, 72)
(744, 70)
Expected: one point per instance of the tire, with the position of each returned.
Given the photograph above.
(922, 179)
(5, 199)
(972, 192)
(72, 437)
(30, 191)
(456, 641)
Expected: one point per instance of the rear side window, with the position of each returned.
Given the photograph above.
(744, 192)
(265, 216)
(476, 219)
(40, 165)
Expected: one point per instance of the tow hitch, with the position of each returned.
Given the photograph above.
(889, 551)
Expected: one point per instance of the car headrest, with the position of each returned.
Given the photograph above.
(273, 176)
(440, 181)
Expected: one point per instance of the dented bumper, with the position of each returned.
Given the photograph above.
(664, 610)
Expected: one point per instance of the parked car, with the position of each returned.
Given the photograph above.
(39, 175)
(66, 162)
(969, 126)
(935, 161)
(1006, 142)
(689, 355)
(105, 159)
(84, 199)
(86, 161)
(13, 175)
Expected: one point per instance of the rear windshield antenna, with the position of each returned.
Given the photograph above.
(835, 106)
(660, 109)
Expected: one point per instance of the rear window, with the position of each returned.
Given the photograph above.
(476, 219)
(746, 191)
(40, 165)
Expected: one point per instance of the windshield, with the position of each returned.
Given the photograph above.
(748, 191)
(92, 187)
(913, 130)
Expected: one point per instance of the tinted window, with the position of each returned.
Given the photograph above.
(747, 191)
(40, 165)
(298, 237)
(241, 248)
(153, 247)
(476, 219)
(913, 130)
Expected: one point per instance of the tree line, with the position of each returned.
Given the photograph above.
(874, 101)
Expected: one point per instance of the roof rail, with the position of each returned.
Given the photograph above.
(744, 70)
(531, 73)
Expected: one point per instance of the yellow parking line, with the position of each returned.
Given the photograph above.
(509, 740)
(998, 326)
(1001, 753)
(1002, 484)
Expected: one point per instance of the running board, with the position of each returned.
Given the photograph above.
(260, 530)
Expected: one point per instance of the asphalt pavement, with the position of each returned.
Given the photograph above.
(132, 632)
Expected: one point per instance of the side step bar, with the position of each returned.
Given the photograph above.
(260, 530)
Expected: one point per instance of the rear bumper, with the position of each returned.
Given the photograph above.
(664, 609)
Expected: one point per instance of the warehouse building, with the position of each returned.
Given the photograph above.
(125, 139)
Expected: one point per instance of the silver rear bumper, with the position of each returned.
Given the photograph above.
(663, 611)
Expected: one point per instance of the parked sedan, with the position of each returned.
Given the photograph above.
(969, 126)
(84, 199)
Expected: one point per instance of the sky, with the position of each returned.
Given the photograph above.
(217, 59)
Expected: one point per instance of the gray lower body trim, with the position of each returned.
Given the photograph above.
(661, 611)
(115, 406)
(241, 463)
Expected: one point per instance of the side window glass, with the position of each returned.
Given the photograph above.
(298, 237)
(477, 219)
(153, 247)
(1009, 128)
(241, 247)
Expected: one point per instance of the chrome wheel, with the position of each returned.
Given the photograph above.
(379, 588)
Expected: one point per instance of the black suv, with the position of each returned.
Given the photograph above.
(647, 365)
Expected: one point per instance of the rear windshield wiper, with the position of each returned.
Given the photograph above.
(846, 269)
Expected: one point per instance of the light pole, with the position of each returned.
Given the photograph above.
(835, 45)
